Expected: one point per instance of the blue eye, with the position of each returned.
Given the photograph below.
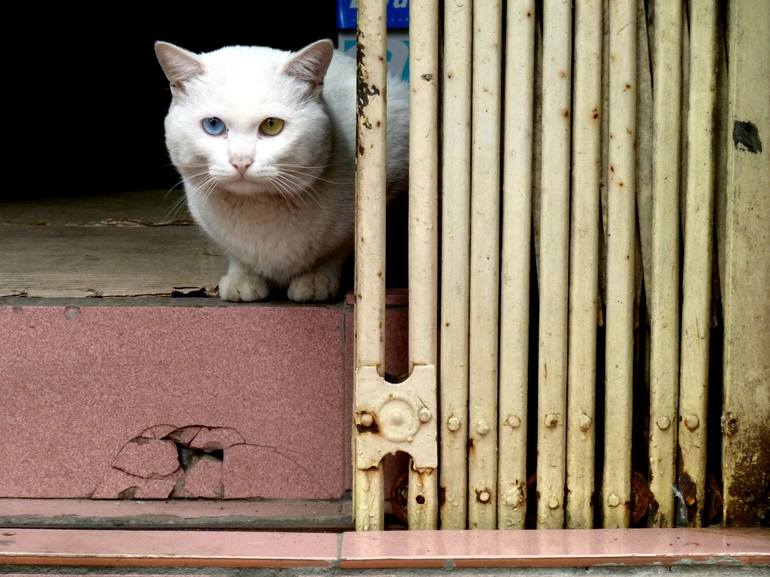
(214, 126)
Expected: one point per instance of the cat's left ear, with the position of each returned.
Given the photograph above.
(311, 63)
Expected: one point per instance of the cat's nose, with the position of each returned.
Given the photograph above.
(241, 164)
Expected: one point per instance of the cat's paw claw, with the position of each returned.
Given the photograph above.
(313, 286)
(239, 287)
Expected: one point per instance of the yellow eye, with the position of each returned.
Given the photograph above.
(271, 126)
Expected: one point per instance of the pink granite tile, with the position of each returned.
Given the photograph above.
(147, 458)
(78, 388)
(203, 480)
(266, 472)
(554, 548)
(117, 484)
(166, 548)
(213, 439)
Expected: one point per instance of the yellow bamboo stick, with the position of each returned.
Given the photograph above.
(485, 258)
(554, 263)
(699, 222)
(514, 282)
(616, 494)
(455, 261)
(664, 285)
(584, 268)
(370, 233)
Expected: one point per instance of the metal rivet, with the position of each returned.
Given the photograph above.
(484, 496)
(584, 422)
(691, 422)
(424, 415)
(367, 420)
(482, 427)
(551, 420)
(513, 421)
(664, 423)
(613, 500)
(512, 499)
(553, 503)
(453, 423)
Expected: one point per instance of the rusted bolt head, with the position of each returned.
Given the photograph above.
(484, 496)
(424, 415)
(453, 423)
(553, 503)
(513, 421)
(584, 422)
(613, 500)
(366, 420)
(663, 423)
(729, 424)
(512, 499)
(482, 427)
(691, 422)
(551, 420)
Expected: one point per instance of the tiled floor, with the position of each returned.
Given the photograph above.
(393, 550)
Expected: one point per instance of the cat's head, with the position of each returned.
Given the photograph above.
(248, 120)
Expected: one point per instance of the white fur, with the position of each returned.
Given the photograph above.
(294, 232)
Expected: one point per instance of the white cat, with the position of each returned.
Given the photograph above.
(265, 142)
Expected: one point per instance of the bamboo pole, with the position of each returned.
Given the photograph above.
(514, 282)
(455, 262)
(616, 485)
(699, 223)
(746, 408)
(584, 257)
(485, 257)
(664, 286)
(423, 227)
(371, 172)
(554, 263)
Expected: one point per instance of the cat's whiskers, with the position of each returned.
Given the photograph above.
(313, 176)
(301, 187)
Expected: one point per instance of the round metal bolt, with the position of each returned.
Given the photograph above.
(424, 415)
(512, 500)
(513, 421)
(484, 496)
(453, 424)
(366, 420)
(551, 420)
(663, 423)
(482, 427)
(691, 422)
(613, 500)
(553, 503)
(397, 418)
(584, 422)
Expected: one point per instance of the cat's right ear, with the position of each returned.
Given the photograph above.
(179, 65)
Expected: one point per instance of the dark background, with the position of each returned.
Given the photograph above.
(86, 97)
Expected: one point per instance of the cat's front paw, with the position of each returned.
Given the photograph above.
(314, 287)
(237, 286)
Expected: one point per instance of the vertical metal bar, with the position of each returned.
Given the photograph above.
(423, 227)
(698, 244)
(584, 267)
(664, 286)
(620, 264)
(746, 410)
(455, 262)
(554, 263)
(485, 258)
(371, 172)
(514, 281)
